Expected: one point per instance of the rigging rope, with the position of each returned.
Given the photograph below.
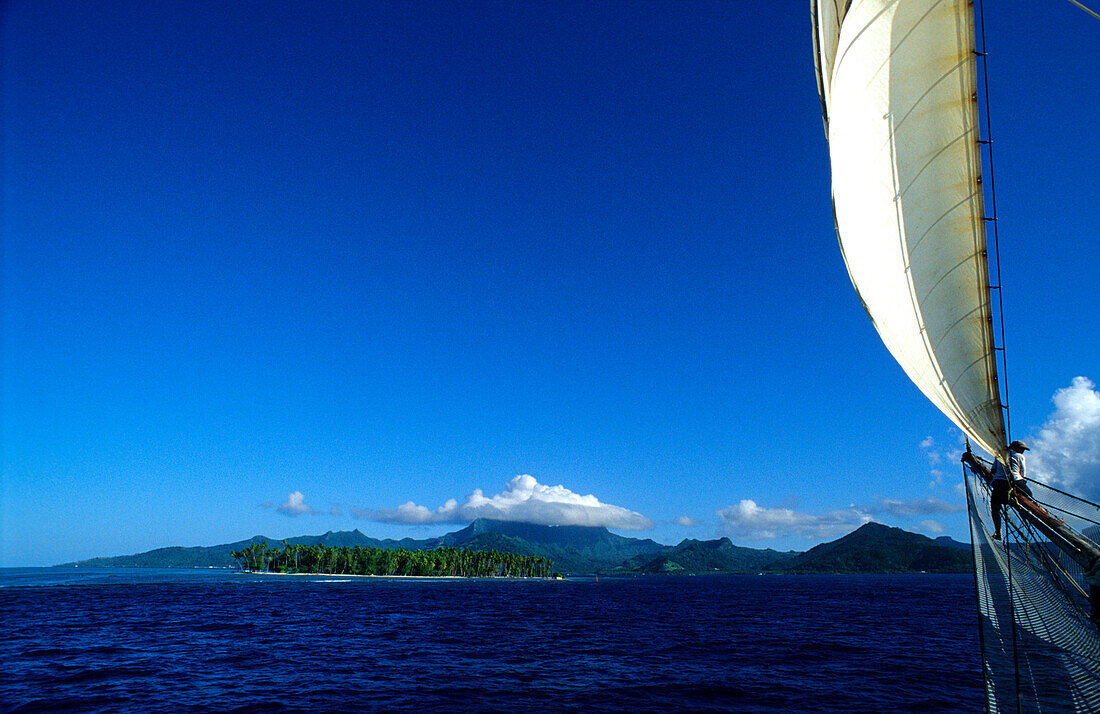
(1029, 542)
(996, 241)
(1049, 506)
(1068, 495)
(1091, 12)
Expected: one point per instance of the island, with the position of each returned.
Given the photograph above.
(572, 550)
(357, 560)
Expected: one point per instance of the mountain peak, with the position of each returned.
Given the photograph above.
(876, 548)
(872, 527)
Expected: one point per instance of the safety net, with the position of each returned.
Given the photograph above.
(1037, 615)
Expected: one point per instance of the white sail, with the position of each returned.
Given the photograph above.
(898, 86)
(898, 93)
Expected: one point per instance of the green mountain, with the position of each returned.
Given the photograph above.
(872, 548)
(951, 542)
(708, 556)
(217, 556)
(574, 549)
(875, 548)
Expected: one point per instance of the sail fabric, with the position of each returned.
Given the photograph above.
(899, 91)
(826, 38)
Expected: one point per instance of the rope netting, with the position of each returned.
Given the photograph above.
(1040, 643)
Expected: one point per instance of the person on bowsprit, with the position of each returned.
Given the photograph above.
(1008, 482)
(998, 485)
(1017, 467)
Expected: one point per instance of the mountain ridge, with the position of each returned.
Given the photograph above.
(875, 548)
(872, 548)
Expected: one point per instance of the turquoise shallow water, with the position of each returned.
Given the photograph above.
(206, 640)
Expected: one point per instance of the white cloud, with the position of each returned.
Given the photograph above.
(928, 445)
(748, 520)
(912, 507)
(932, 527)
(295, 505)
(686, 522)
(751, 521)
(523, 499)
(1066, 453)
(941, 457)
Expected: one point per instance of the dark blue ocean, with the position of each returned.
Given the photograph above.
(113, 640)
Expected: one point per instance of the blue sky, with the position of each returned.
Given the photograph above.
(285, 268)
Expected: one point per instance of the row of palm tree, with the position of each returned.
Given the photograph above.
(357, 560)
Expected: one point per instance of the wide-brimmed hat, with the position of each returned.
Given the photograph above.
(1018, 446)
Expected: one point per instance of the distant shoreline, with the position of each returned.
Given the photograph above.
(356, 575)
(397, 577)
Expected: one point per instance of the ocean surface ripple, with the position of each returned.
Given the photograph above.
(212, 641)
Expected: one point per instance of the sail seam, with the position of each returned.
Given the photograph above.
(932, 86)
(955, 324)
(944, 215)
(839, 59)
(943, 277)
(932, 160)
(901, 41)
(951, 402)
(967, 369)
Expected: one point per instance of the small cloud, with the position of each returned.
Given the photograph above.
(748, 520)
(931, 527)
(686, 522)
(941, 456)
(1066, 453)
(524, 499)
(295, 505)
(411, 514)
(928, 445)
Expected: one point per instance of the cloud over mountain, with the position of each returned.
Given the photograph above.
(523, 499)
